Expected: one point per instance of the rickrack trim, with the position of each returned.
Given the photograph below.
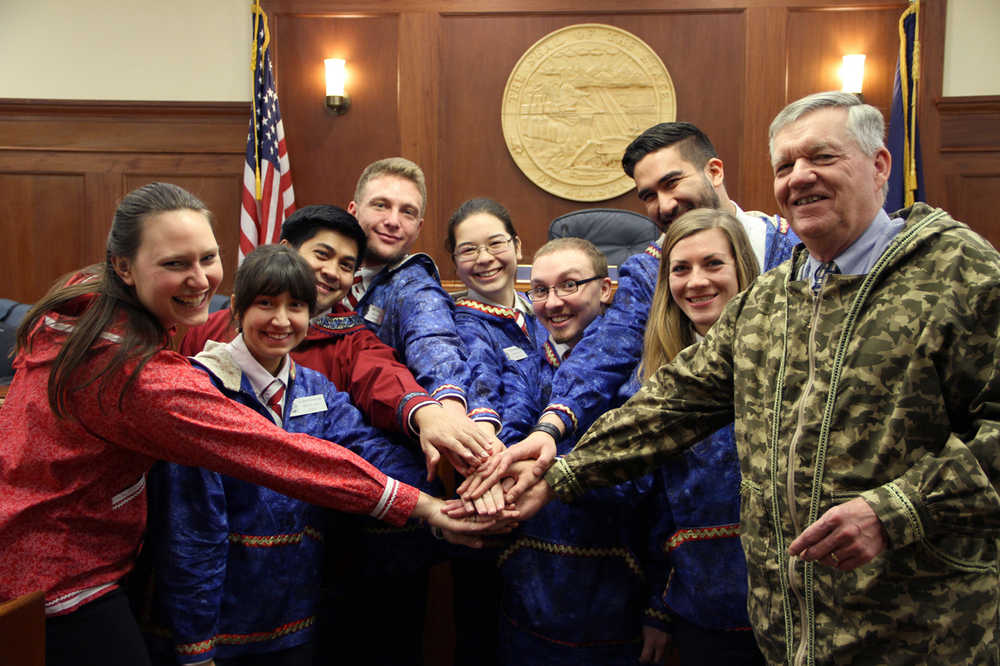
(243, 639)
(495, 310)
(565, 550)
(681, 537)
(557, 407)
(271, 540)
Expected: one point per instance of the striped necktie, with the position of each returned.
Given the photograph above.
(819, 275)
(357, 291)
(274, 401)
(522, 322)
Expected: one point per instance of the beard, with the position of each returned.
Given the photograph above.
(707, 197)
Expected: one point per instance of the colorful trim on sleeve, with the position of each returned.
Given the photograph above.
(449, 391)
(388, 497)
(408, 406)
(565, 414)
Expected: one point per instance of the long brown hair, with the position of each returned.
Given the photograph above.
(143, 334)
(669, 330)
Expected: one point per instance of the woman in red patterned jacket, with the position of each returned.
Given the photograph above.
(98, 396)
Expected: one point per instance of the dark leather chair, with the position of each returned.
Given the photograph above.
(218, 302)
(8, 336)
(617, 233)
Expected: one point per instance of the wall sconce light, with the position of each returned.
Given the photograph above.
(852, 73)
(336, 75)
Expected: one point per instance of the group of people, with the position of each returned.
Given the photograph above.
(774, 439)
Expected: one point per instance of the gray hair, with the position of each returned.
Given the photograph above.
(864, 122)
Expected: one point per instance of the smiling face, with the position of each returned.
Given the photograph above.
(669, 186)
(567, 317)
(273, 326)
(703, 276)
(176, 268)
(390, 213)
(825, 186)
(492, 275)
(333, 258)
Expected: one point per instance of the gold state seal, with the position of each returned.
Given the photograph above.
(575, 100)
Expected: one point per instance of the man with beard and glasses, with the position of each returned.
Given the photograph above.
(676, 169)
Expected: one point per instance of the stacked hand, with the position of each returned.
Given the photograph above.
(447, 430)
(511, 478)
(449, 519)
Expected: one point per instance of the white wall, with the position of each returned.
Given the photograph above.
(199, 50)
(189, 50)
(972, 48)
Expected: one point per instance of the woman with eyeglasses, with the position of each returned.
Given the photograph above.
(504, 341)
(574, 579)
(497, 325)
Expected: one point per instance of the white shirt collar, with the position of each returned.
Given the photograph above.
(258, 376)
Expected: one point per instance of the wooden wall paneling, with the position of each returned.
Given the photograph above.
(478, 53)
(818, 38)
(127, 127)
(45, 236)
(546, 6)
(705, 52)
(969, 124)
(765, 82)
(973, 185)
(960, 139)
(65, 166)
(968, 161)
(419, 99)
(327, 152)
(932, 29)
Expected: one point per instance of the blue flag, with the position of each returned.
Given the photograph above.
(906, 183)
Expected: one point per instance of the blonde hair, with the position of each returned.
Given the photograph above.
(669, 330)
(597, 258)
(394, 166)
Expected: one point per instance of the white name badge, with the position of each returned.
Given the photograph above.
(515, 353)
(308, 404)
(374, 314)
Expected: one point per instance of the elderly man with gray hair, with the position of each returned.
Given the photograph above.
(864, 381)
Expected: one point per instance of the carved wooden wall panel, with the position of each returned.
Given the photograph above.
(36, 208)
(327, 151)
(972, 195)
(426, 83)
(818, 38)
(427, 78)
(64, 166)
(960, 137)
(479, 52)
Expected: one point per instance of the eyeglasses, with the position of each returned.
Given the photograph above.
(564, 288)
(470, 252)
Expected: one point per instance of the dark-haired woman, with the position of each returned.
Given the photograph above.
(238, 564)
(97, 397)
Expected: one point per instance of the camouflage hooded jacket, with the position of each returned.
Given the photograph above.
(883, 386)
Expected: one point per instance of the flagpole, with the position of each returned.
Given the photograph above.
(909, 133)
(256, 57)
(911, 172)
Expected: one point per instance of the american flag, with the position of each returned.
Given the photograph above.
(268, 197)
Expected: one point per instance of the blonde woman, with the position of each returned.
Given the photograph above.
(707, 259)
